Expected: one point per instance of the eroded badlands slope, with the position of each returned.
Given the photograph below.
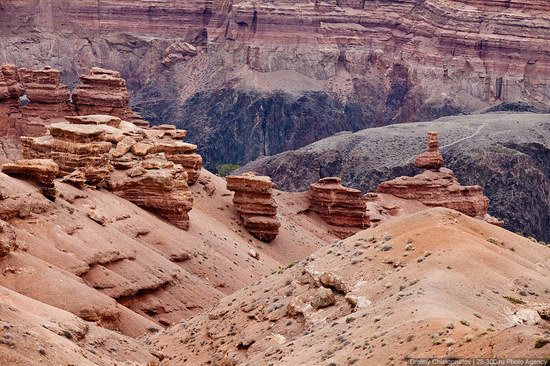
(132, 271)
(407, 288)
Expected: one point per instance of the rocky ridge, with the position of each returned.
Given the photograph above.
(505, 153)
(253, 200)
(381, 296)
(49, 101)
(106, 151)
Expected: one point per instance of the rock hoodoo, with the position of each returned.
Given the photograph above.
(73, 147)
(104, 92)
(124, 158)
(340, 206)
(254, 202)
(43, 171)
(431, 159)
(439, 187)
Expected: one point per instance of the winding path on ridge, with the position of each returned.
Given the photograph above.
(410, 160)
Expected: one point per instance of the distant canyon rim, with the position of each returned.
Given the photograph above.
(250, 79)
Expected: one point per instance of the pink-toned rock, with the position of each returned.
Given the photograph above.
(44, 86)
(104, 92)
(160, 188)
(340, 206)
(43, 171)
(8, 239)
(254, 202)
(439, 187)
(180, 153)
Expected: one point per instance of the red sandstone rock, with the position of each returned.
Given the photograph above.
(44, 171)
(439, 187)
(254, 202)
(432, 158)
(104, 92)
(339, 206)
(72, 147)
(8, 239)
(44, 86)
(157, 185)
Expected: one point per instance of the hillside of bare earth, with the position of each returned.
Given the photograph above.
(133, 271)
(407, 288)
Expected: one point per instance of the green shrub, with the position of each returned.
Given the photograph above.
(225, 169)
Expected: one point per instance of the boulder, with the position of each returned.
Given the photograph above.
(8, 239)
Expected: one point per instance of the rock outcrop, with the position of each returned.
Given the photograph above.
(438, 187)
(8, 239)
(137, 164)
(340, 206)
(43, 171)
(104, 92)
(156, 184)
(255, 204)
(10, 91)
(73, 147)
(431, 159)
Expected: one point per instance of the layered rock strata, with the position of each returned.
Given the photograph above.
(104, 92)
(48, 100)
(255, 204)
(438, 187)
(126, 159)
(73, 147)
(431, 159)
(340, 206)
(158, 185)
(43, 171)
(10, 91)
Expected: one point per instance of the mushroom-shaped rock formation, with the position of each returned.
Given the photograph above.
(431, 159)
(439, 187)
(43, 171)
(104, 92)
(340, 206)
(254, 202)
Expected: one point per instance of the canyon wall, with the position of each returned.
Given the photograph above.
(339, 65)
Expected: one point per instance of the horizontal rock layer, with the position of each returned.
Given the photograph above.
(254, 202)
(137, 164)
(338, 205)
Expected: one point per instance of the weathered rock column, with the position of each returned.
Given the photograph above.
(339, 206)
(254, 202)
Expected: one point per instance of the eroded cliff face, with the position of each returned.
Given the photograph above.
(344, 65)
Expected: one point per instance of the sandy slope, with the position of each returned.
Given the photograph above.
(443, 296)
(136, 270)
